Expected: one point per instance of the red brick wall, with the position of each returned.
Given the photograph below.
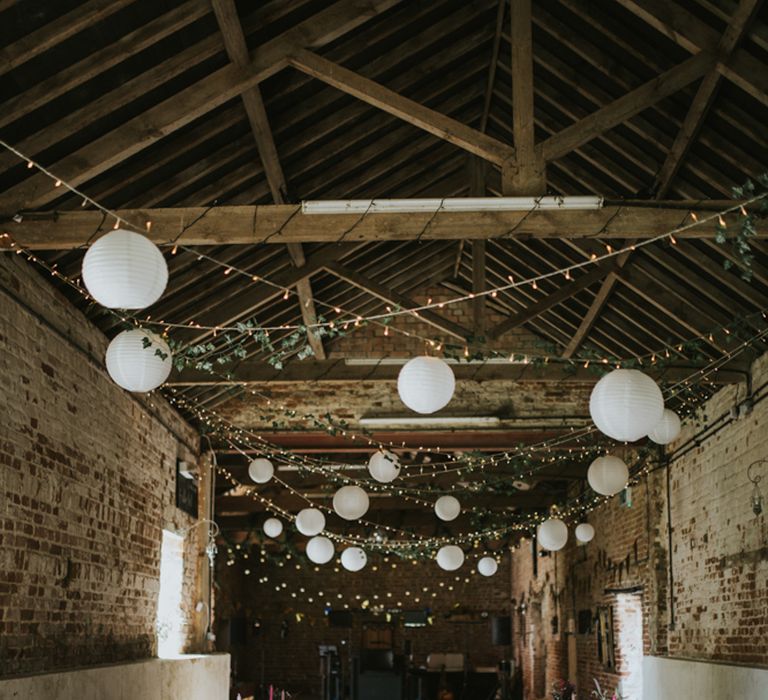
(86, 485)
(719, 561)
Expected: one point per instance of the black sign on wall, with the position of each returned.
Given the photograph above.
(186, 491)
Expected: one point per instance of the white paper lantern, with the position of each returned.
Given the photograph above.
(138, 360)
(426, 384)
(608, 475)
(125, 270)
(320, 550)
(353, 559)
(552, 534)
(450, 557)
(667, 429)
(261, 470)
(626, 405)
(487, 566)
(351, 502)
(584, 532)
(310, 521)
(447, 508)
(384, 466)
(273, 527)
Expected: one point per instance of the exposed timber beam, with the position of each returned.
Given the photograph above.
(237, 50)
(627, 106)
(189, 104)
(695, 35)
(697, 112)
(338, 370)
(479, 284)
(414, 113)
(525, 174)
(279, 224)
(388, 294)
(492, 67)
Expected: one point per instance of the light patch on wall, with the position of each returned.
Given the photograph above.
(170, 620)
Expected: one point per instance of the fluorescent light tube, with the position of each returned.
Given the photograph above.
(452, 204)
(433, 421)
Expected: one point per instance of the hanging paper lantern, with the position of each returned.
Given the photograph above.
(353, 559)
(608, 475)
(138, 360)
(584, 532)
(447, 508)
(450, 557)
(320, 550)
(667, 429)
(351, 502)
(260, 470)
(487, 566)
(552, 534)
(125, 270)
(384, 466)
(273, 527)
(310, 521)
(626, 405)
(426, 384)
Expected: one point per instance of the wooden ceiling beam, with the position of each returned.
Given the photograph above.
(278, 224)
(524, 174)
(494, 61)
(420, 116)
(189, 104)
(696, 36)
(626, 107)
(697, 112)
(237, 50)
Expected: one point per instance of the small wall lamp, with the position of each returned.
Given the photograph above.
(756, 496)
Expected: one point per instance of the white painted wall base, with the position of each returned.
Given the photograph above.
(192, 677)
(673, 679)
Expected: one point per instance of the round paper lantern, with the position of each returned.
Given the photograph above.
(626, 405)
(608, 475)
(125, 270)
(384, 466)
(447, 508)
(351, 502)
(667, 429)
(320, 550)
(260, 470)
(310, 521)
(487, 566)
(552, 534)
(353, 559)
(138, 360)
(450, 557)
(426, 384)
(584, 532)
(273, 527)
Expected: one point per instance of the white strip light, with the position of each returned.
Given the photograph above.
(452, 204)
(433, 421)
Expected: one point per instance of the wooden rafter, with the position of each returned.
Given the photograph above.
(492, 67)
(701, 104)
(237, 50)
(247, 225)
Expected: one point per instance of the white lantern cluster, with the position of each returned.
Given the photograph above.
(260, 470)
(384, 466)
(447, 508)
(273, 528)
(353, 559)
(138, 360)
(608, 475)
(320, 550)
(426, 384)
(125, 270)
(450, 557)
(487, 566)
(552, 534)
(351, 502)
(310, 521)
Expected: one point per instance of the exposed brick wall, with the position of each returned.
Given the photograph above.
(87, 477)
(719, 562)
(461, 617)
